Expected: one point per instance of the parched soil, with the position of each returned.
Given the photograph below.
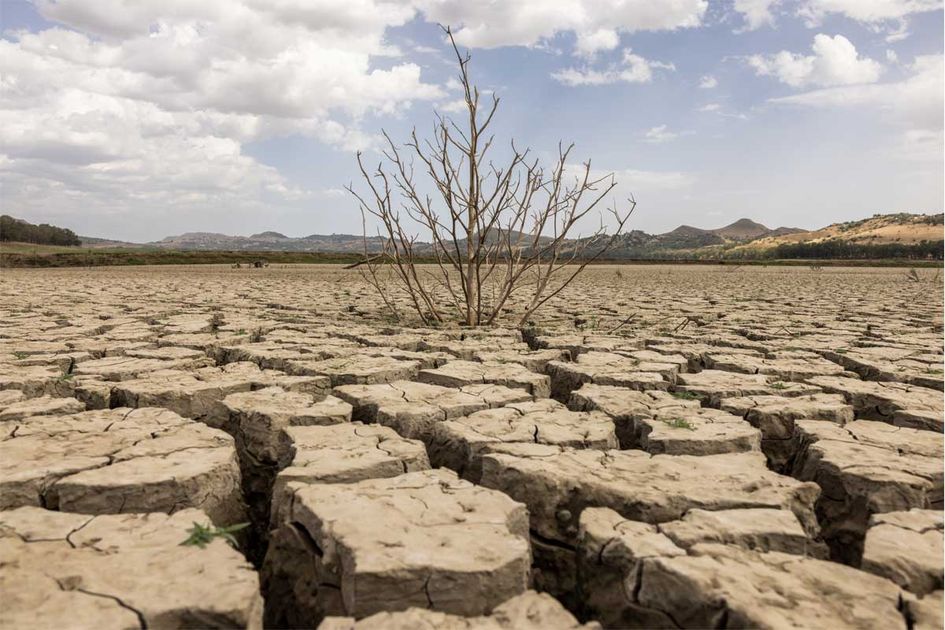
(661, 447)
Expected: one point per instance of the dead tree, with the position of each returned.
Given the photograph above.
(500, 236)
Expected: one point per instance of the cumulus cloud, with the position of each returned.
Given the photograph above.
(917, 99)
(756, 13)
(835, 62)
(529, 22)
(632, 69)
(589, 44)
(152, 102)
(914, 103)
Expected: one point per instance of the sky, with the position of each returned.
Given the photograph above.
(136, 120)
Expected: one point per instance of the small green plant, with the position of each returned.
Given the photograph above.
(686, 395)
(20, 355)
(241, 331)
(201, 535)
(256, 336)
(778, 385)
(933, 371)
(678, 423)
(67, 371)
(841, 350)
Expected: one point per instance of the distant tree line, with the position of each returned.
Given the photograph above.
(18, 230)
(847, 250)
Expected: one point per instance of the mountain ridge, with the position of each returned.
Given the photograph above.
(741, 238)
(682, 237)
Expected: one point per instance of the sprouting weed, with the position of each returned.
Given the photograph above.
(778, 385)
(678, 423)
(201, 535)
(67, 374)
(20, 355)
(686, 395)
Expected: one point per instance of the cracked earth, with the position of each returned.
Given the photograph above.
(663, 447)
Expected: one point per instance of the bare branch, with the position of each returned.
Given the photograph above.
(501, 235)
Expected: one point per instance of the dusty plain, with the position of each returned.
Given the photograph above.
(661, 447)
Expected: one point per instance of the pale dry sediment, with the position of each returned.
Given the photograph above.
(662, 447)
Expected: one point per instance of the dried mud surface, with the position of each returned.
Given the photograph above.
(662, 447)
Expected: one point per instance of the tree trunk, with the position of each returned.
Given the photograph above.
(472, 221)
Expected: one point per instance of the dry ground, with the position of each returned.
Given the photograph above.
(664, 446)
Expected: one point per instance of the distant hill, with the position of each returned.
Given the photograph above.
(880, 236)
(687, 241)
(631, 244)
(748, 230)
(877, 230)
(686, 237)
(900, 235)
(20, 231)
(270, 241)
(95, 243)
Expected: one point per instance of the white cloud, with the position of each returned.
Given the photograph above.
(632, 69)
(916, 101)
(659, 134)
(710, 107)
(898, 31)
(867, 11)
(528, 22)
(456, 105)
(757, 13)
(589, 44)
(835, 62)
(707, 82)
(142, 103)
(889, 16)
(881, 16)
